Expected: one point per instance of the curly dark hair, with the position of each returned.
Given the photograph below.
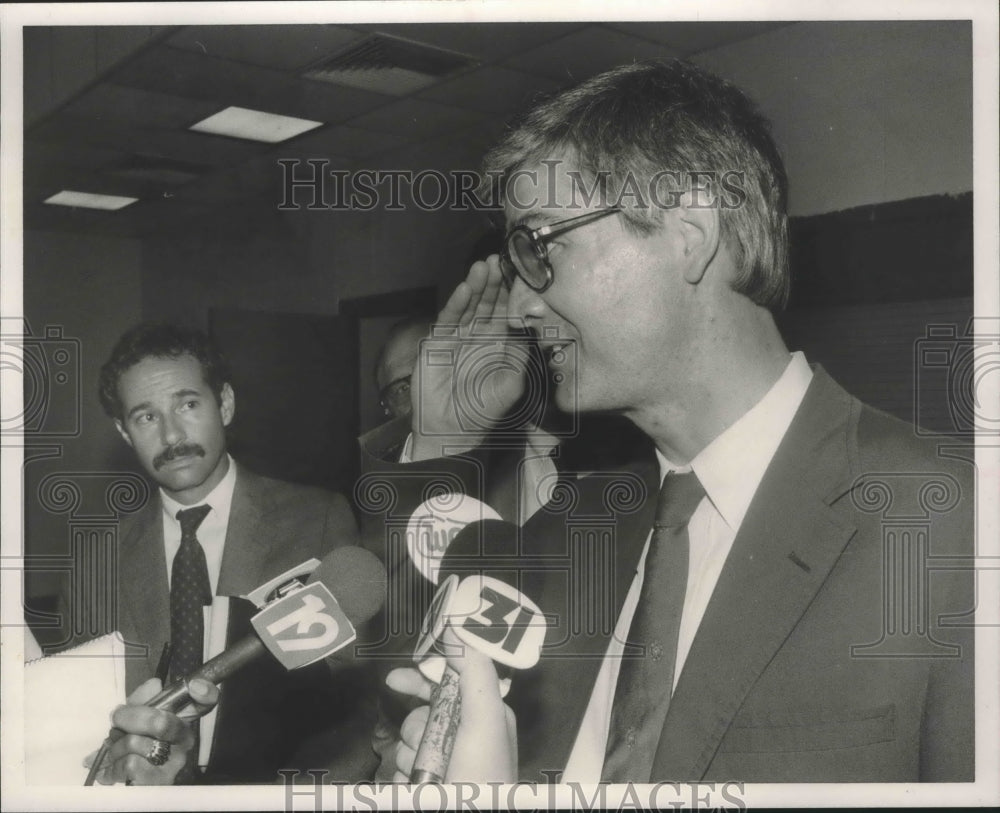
(159, 340)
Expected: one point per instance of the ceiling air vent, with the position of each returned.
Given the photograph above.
(385, 64)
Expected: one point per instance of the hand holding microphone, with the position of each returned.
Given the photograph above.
(125, 760)
(479, 610)
(485, 734)
(303, 625)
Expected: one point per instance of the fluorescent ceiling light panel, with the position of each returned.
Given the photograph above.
(254, 125)
(90, 200)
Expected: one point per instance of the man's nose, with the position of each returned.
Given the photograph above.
(525, 307)
(172, 430)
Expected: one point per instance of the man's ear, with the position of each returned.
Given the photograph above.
(700, 231)
(121, 431)
(227, 405)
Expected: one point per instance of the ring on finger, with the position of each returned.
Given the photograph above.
(158, 753)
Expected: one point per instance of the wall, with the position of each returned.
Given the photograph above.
(863, 112)
(89, 289)
(868, 114)
(879, 353)
(260, 258)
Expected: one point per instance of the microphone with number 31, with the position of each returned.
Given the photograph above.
(482, 601)
(298, 624)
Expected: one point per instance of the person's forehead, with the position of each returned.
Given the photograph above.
(400, 356)
(551, 189)
(405, 345)
(161, 374)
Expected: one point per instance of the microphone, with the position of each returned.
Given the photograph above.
(435, 524)
(351, 576)
(481, 601)
(347, 588)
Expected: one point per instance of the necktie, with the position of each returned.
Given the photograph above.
(645, 682)
(190, 590)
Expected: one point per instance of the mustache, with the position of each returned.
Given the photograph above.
(178, 450)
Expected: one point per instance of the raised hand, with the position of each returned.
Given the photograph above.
(471, 370)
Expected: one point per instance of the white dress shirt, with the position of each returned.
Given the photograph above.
(212, 536)
(730, 469)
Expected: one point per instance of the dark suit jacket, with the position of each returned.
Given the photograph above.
(501, 458)
(388, 493)
(266, 715)
(824, 654)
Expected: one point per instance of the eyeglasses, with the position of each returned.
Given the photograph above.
(395, 395)
(524, 253)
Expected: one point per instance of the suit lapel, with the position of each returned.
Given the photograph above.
(782, 554)
(245, 553)
(145, 605)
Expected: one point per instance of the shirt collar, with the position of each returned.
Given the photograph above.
(731, 467)
(541, 441)
(219, 498)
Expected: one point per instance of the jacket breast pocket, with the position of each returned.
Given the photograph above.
(811, 731)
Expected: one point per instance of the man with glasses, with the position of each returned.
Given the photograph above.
(395, 364)
(393, 369)
(760, 624)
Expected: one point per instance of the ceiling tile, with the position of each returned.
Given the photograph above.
(107, 103)
(484, 41)
(118, 42)
(127, 133)
(691, 37)
(348, 142)
(183, 73)
(83, 156)
(490, 89)
(179, 145)
(332, 103)
(417, 118)
(282, 47)
(585, 53)
(235, 183)
(164, 173)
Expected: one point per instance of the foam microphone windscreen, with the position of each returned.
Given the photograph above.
(357, 580)
(493, 547)
(495, 604)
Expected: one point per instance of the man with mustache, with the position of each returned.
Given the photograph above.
(168, 390)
